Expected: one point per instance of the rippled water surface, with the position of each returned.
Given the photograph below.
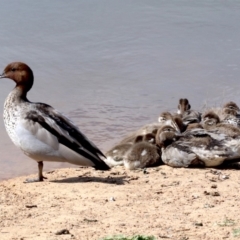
(112, 66)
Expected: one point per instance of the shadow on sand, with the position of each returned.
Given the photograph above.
(82, 179)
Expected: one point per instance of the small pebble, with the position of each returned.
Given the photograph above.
(62, 232)
(223, 177)
(112, 199)
(89, 220)
(195, 196)
(145, 171)
(30, 206)
(208, 205)
(215, 194)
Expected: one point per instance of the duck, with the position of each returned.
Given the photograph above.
(143, 153)
(42, 132)
(200, 149)
(188, 116)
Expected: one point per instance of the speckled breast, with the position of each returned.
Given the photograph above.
(11, 115)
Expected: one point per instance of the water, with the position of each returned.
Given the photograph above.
(112, 66)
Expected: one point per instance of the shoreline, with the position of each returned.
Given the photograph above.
(164, 202)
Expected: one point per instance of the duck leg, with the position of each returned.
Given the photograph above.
(40, 174)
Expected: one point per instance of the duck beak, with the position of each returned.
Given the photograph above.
(2, 75)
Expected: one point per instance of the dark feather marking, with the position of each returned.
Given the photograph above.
(34, 116)
(184, 148)
(70, 128)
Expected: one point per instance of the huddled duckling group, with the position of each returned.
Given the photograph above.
(187, 138)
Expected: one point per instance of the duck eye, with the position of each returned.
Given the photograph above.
(13, 69)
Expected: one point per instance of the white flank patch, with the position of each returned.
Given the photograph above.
(144, 152)
(132, 165)
(112, 162)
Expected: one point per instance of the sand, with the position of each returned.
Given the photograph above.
(81, 203)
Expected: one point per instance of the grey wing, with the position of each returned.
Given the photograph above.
(66, 133)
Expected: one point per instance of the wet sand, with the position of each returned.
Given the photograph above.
(164, 202)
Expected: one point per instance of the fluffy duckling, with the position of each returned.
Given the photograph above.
(191, 150)
(188, 115)
(179, 122)
(115, 156)
(183, 105)
(165, 118)
(40, 131)
(211, 122)
(230, 114)
(143, 154)
(231, 108)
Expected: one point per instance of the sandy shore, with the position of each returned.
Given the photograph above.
(165, 202)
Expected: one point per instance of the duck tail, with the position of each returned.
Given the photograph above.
(102, 166)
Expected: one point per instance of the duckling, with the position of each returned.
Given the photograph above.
(192, 150)
(165, 118)
(178, 120)
(188, 115)
(230, 114)
(231, 108)
(116, 155)
(211, 122)
(183, 105)
(143, 154)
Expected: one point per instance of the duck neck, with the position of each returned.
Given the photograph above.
(21, 91)
(18, 94)
(23, 86)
